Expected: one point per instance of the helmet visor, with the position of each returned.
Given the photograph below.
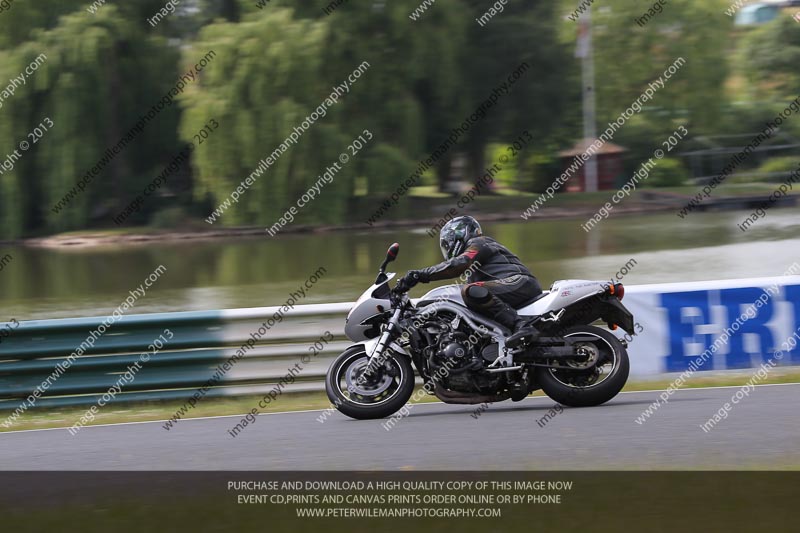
(445, 248)
(451, 241)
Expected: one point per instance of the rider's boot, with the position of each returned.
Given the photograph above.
(520, 327)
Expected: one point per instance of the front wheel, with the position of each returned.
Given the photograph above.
(584, 385)
(365, 395)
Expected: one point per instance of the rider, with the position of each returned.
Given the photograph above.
(498, 281)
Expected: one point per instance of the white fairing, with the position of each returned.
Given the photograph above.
(365, 307)
(561, 294)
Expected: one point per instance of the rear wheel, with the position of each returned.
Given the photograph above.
(364, 395)
(584, 385)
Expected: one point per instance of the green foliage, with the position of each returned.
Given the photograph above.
(668, 172)
(83, 87)
(261, 85)
(544, 168)
(629, 57)
(18, 23)
(539, 100)
(274, 66)
(770, 55)
(778, 164)
(641, 136)
(751, 118)
(413, 94)
(386, 168)
(507, 175)
(170, 218)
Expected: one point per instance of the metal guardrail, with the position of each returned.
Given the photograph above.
(202, 340)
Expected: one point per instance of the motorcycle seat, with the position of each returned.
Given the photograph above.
(526, 303)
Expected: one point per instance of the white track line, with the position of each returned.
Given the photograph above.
(321, 410)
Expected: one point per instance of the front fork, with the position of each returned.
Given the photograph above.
(386, 338)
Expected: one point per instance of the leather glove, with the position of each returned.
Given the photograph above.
(408, 281)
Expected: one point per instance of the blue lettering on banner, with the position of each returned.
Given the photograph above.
(682, 326)
(737, 301)
(687, 312)
(793, 297)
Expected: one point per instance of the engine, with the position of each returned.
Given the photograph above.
(459, 354)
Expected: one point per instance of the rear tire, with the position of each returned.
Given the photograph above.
(574, 388)
(385, 396)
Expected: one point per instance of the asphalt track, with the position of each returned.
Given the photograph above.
(761, 432)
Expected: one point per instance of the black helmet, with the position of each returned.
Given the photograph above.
(455, 234)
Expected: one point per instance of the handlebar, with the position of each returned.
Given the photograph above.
(397, 297)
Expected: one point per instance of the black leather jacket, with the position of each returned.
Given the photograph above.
(491, 261)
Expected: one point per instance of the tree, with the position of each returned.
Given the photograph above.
(22, 18)
(264, 82)
(100, 74)
(413, 94)
(770, 56)
(630, 56)
(522, 39)
(275, 68)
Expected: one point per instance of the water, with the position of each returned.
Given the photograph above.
(253, 272)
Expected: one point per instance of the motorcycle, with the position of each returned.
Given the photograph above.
(462, 356)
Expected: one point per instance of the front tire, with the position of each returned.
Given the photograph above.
(574, 387)
(385, 393)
